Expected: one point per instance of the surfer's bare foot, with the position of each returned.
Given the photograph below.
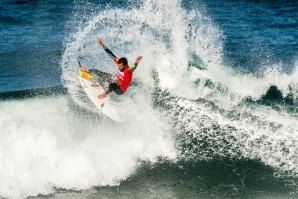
(84, 69)
(101, 96)
(95, 85)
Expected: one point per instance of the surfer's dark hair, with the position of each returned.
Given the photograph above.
(123, 61)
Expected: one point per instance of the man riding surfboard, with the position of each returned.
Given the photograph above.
(124, 73)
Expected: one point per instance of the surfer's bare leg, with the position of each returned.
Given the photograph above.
(102, 75)
(84, 69)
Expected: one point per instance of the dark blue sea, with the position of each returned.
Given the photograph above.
(212, 111)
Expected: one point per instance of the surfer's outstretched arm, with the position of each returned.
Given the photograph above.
(114, 57)
(135, 65)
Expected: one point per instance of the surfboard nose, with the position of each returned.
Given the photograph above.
(85, 75)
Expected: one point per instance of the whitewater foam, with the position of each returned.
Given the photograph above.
(48, 144)
(56, 143)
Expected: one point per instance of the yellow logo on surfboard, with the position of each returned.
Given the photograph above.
(85, 75)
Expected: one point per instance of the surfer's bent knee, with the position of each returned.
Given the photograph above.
(114, 87)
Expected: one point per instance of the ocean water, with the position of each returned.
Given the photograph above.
(212, 111)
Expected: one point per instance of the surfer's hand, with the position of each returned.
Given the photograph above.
(99, 41)
(138, 59)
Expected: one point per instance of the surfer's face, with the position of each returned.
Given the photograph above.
(121, 66)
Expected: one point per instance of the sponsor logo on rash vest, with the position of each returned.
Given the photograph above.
(124, 78)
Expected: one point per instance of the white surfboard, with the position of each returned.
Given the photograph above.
(104, 104)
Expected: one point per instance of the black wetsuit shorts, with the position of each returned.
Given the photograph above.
(115, 87)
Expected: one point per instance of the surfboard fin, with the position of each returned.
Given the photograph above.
(101, 106)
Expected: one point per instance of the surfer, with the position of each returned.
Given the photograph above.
(124, 73)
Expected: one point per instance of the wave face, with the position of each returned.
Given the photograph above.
(187, 104)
